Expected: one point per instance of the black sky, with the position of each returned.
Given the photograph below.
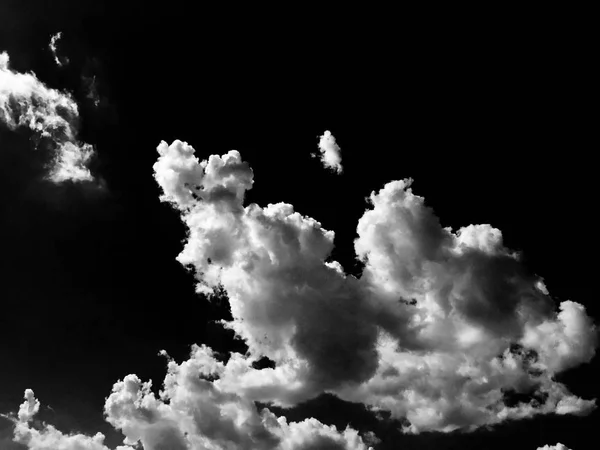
(493, 129)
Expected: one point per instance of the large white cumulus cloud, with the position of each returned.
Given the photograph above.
(443, 329)
(45, 437)
(558, 446)
(440, 329)
(26, 102)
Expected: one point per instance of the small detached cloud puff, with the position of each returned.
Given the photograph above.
(330, 152)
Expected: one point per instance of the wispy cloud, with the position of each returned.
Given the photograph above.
(60, 61)
(558, 446)
(330, 152)
(53, 115)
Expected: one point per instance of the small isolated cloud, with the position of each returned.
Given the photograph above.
(53, 115)
(60, 61)
(330, 156)
(558, 446)
(91, 87)
(443, 329)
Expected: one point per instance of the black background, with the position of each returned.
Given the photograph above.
(492, 119)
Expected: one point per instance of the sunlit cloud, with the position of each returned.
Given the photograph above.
(60, 61)
(442, 328)
(330, 152)
(53, 115)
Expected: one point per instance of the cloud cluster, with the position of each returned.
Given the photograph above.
(53, 115)
(443, 329)
(191, 412)
(330, 152)
(558, 446)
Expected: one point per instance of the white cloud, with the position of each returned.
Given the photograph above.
(439, 330)
(192, 412)
(26, 102)
(330, 152)
(287, 303)
(35, 435)
(441, 327)
(52, 46)
(558, 446)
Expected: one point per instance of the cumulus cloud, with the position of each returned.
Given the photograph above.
(191, 412)
(53, 115)
(35, 435)
(558, 446)
(330, 152)
(443, 329)
(60, 61)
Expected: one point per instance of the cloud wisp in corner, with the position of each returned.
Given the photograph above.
(330, 152)
(53, 115)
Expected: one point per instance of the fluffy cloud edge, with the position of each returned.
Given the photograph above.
(450, 320)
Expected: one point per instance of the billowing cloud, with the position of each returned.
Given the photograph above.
(60, 61)
(558, 446)
(330, 152)
(192, 412)
(53, 115)
(443, 329)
